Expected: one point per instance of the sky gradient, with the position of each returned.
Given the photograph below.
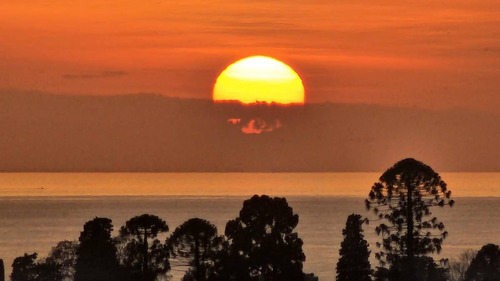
(427, 54)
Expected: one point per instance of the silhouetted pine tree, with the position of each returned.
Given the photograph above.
(353, 263)
(263, 245)
(96, 254)
(403, 198)
(196, 243)
(143, 260)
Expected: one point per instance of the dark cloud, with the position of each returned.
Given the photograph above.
(151, 133)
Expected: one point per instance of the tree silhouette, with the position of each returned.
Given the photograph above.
(64, 255)
(425, 269)
(262, 244)
(486, 265)
(403, 197)
(47, 271)
(145, 261)
(96, 254)
(353, 263)
(2, 271)
(25, 268)
(196, 241)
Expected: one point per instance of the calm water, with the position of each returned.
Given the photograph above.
(36, 223)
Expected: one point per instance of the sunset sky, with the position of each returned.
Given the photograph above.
(182, 108)
(425, 54)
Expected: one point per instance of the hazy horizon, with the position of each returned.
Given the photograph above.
(153, 133)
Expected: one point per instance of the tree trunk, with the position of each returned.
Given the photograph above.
(410, 251)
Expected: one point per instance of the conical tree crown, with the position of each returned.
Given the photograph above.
(353, 264)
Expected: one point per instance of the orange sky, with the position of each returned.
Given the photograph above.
(433, 54)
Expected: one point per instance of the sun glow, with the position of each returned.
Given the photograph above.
(259, 79)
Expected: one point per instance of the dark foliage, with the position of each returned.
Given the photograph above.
(197, 243)
(353, 263)
(26, 268)
(311, 277)
(143, 260)
(425, 270)
(486, 265)
(96, 254)
(48, 272)
(262, 244)
(2, 271)
(403, 198)
(23, 268)
(64, 255)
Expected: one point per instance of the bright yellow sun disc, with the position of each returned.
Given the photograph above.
(259, 79)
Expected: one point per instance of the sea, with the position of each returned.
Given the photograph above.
(37, 210)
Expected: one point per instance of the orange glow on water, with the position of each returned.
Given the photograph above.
(222, 184)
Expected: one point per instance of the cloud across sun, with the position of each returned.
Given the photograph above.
(258, 79)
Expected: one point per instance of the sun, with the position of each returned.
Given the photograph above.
(258, 79)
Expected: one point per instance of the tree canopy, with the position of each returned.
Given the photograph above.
(96, 254)
(26, 268)
(403, 198)
(23, 268)
(486, 265)
(262, 242)
(64, 255)
(424, 267)
(197, 243)
(354, 264)
(144, 261)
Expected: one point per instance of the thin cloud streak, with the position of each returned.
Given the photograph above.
(104, 74)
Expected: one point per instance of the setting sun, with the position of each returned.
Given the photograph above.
(259, 79)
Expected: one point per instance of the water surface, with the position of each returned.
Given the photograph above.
(37, 210)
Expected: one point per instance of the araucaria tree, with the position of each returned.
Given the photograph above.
(197, 243)
(403, 199)
(144, 261)
(353, 263)
(262, 243)
(96, 254)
